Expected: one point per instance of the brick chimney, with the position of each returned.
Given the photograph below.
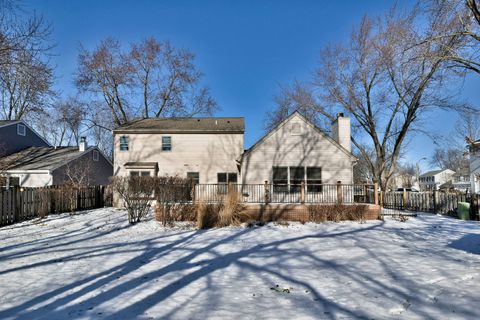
(341, 131)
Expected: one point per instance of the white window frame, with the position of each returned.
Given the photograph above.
(96, 155)
(21, 125)
(171, 144)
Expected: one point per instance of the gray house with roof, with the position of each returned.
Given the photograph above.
(47, 166)
(432, 180)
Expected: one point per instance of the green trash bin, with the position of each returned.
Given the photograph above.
(463, 211)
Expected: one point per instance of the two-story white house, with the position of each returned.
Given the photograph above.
(203, 149)
(432, 180)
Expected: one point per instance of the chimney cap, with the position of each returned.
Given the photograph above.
(340, 115)
(83, 139)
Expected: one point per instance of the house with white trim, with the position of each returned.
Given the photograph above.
(211, 151)
(28, 160)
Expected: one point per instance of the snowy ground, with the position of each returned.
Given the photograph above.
(94, 266)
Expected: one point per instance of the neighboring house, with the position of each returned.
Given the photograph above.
(461, 182)
(432, 180)
(46, 166)
(474, 155)
(203, 149)
(16, 135)
(297, 151)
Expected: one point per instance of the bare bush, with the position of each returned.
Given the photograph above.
(173, 195)
(207, 215)
(137, 195)
(337, 212)
(231, 211)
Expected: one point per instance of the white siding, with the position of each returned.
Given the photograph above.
(309, 148)
(32, 180)
(207, 154)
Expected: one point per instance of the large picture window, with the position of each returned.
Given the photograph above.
(289, 179)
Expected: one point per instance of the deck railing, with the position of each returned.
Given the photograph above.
(291, 193)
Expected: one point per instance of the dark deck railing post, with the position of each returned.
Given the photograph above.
(267, 192)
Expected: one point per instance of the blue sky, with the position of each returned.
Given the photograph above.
(246, 49)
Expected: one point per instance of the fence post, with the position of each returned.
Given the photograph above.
(404, 198)
(302, 192)
(193, 192)
(381, 198)
(434, 201)
(339, 192)
(267, 192)
(375, 193)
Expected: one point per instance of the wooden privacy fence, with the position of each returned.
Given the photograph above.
(288, 193)
(431, 201)
(18, 204)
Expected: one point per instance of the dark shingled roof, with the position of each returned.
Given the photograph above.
(41, 158)
(184, 125)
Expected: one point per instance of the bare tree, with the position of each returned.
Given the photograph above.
(163, 79)
(25, 74)
(64, 122)
(451, 158)
(385, 78)
(459, 18)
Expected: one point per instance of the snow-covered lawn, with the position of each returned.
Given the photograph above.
(94, 265)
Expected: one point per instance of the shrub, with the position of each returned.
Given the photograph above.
(336, 212)
(172, 195)
(231, 211)
(169, 213)
(137, 195)
(207, 215)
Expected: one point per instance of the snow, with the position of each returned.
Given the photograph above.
(93, 265)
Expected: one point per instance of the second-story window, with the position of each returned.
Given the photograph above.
(21, 129)
(166, 143)
(123, 143)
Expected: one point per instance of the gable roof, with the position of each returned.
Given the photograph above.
(43, 158)
(317, 129)
(184, 125)
(433, 172)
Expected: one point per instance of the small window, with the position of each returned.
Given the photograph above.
(145, 173)
(167, 143)
(194, 176)
(95, 155)
(134, 174)
(14, 181)
(223, 179)
(21, 129)
(123, 143)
